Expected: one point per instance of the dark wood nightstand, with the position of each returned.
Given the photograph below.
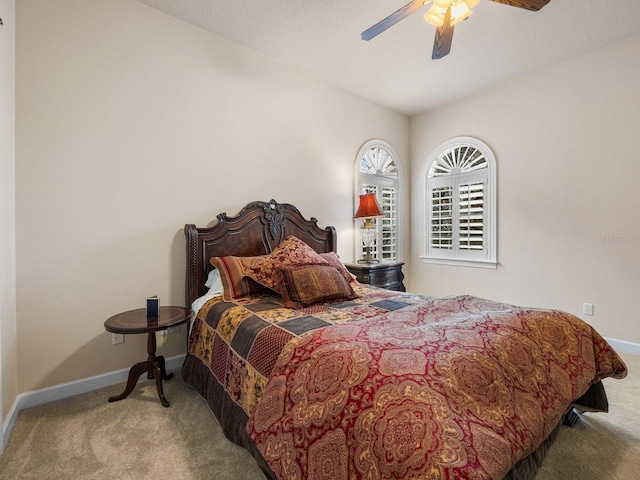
(384, 274)
(136, 321)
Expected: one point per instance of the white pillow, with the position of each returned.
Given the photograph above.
(213, 283)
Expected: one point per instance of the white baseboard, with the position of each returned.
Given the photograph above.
(623, 346)
(66, 390)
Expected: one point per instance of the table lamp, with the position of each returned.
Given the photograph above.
(368, 210)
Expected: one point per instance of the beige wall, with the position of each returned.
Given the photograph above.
(566, 145)
(8, 340)
(130, 124)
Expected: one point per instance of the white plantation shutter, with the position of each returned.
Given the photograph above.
(377, 172)
(471, 216)
(460, 202)
(388, 199)
(385, 246)
(442, 218)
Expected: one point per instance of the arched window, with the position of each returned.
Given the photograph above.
(377, 172)
(460, 201)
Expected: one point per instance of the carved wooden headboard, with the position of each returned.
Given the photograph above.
(256, 230)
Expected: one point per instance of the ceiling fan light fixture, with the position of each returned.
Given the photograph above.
(435, 16)
(460, 11)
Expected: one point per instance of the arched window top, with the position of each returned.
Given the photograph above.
(378, 160)
(461, 157)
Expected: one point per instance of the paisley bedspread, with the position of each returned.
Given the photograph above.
(239, 341)
(443, 388)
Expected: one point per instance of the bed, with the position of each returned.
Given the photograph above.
(320, 377)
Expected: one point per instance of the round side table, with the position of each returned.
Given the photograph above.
(136, 321)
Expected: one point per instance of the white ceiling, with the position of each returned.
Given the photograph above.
(321, 39)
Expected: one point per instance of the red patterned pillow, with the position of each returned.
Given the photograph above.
(291, 251)
(235, 284)
(305, 285)
(333, 260)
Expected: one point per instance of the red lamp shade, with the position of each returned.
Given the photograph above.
(369, 207)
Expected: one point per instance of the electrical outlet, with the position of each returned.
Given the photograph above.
(117, 338)
(169, 331)
(587, 308)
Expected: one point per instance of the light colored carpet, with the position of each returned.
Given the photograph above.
(85, 437)
(602, 446)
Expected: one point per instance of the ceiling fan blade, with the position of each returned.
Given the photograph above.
(444, 36)
(392, 19)
(533, 5)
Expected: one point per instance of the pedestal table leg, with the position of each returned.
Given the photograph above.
(155, 368)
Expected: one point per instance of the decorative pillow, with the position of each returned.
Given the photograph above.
(333, 260)
(291, 251)
(305, 285)
(235, 284)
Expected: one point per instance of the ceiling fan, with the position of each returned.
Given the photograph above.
(444, 14)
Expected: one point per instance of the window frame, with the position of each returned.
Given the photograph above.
(380, 182)
(457, 256)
